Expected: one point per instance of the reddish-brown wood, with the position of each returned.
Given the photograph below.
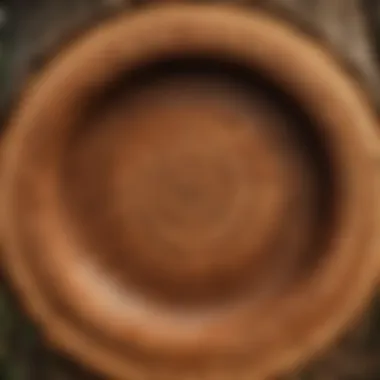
(193, 222)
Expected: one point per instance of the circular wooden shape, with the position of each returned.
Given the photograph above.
(190, 192)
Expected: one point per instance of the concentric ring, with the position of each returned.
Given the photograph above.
(112, 323)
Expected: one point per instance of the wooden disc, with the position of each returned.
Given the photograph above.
(190, 191)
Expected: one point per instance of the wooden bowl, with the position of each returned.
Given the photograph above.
(188, 192)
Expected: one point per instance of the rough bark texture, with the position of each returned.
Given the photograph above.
(33, 27)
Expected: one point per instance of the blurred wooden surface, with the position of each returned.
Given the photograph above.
(24, 356)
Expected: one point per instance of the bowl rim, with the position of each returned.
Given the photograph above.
(307, 72)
